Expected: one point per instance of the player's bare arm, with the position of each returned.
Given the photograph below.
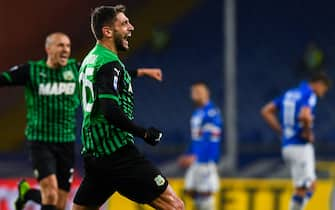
(168, 200)
(269, 114)
(154, 73)
(186, 161)
(306, 119)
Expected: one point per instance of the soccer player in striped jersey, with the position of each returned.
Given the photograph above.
(202, 180)
(291, 115)
(112, 162)
(51, 100)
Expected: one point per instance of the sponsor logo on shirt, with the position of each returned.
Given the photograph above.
(55, 88)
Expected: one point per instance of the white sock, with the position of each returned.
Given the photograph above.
(297, 203)
(205, 203)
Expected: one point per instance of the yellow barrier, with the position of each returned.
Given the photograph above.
(244, 194)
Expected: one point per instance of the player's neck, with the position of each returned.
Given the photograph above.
(51, 64)
(108, 45)
(203, 103)
(312, 86)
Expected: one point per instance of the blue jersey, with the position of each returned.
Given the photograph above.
(206, 126)
(290, 105)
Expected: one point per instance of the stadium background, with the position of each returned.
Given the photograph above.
(185, 38)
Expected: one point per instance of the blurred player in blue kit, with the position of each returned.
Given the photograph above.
(202, 179)
(291, 115)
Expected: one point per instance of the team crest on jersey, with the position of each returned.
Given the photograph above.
(160, 181)
(68, 75)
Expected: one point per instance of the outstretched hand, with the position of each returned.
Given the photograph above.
(153, 73)
(186, 161)
(153, 136)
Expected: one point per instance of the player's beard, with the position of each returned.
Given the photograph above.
(198, 103)
(118, 40)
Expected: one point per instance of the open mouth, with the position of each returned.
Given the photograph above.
(126, 38)
(64, 57)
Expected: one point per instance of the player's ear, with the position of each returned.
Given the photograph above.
(107, 31)
(47, 49)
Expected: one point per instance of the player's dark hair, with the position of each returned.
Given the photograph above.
(200, 82)
(320, 77)
(103, 15)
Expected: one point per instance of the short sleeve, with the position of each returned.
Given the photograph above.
(278, 101)
(310, 100)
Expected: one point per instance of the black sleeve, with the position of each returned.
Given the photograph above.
(16, 76)
(116, 117)
(108, 81)
(133, 74)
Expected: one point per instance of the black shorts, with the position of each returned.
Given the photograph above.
(53, 158)
(127, 172)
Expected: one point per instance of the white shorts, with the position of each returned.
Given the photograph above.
(202, 177)
(301, 161)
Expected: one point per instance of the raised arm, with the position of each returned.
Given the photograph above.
(153, 73)
(269, 114)
(108, 84)
(16, 76)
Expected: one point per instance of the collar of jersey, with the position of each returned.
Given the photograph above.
(108, 51)
(305, 86)
(206, 106)
(43, 63)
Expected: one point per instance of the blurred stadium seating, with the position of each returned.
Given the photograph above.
(271, 39)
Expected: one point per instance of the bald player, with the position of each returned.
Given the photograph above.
(51, 100)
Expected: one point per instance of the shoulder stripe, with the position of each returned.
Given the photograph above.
(7, 76)
(108, 96)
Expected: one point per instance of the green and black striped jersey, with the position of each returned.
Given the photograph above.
(51, 99)
(99, 137)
